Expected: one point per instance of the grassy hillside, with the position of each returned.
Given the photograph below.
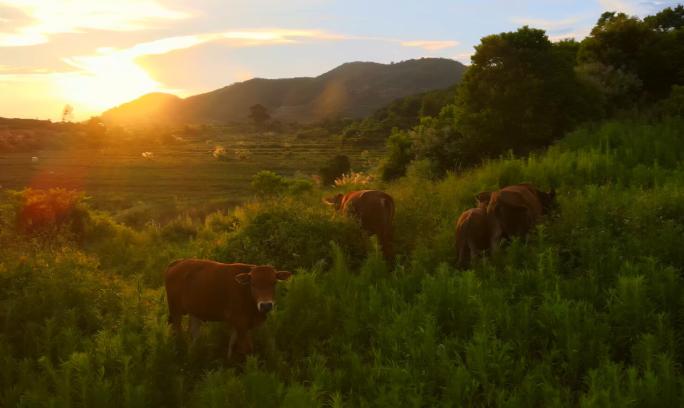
(351, 90)
(588, 311)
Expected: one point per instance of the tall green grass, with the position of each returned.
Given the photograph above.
(588, 310)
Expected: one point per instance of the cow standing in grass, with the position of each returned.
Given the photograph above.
(239, 294)
(374, 210)
(476, 233)
(517, 208)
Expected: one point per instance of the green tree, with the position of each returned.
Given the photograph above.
(520, 92)
(651, 51)
(399, 155)
(259, 114)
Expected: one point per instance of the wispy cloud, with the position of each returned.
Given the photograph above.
(636, 7)
(572, 27)
(49, 17)
(463, 57)
(430, 45)
(546, 24)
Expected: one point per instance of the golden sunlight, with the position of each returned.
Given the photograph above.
(104, 82)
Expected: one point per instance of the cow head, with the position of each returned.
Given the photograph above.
(262, 281)
(334, 201)
(482, 199)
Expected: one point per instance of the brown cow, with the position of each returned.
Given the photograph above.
(239, 294)
(374, 210)
(476, 233)
(518, 207)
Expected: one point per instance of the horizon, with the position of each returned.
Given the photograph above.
(95, 56)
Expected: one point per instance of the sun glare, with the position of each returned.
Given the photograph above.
(104, 81)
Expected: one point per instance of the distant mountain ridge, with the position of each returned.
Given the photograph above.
(352, 90)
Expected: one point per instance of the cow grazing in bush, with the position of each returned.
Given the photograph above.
(374, 210)
(476, 233)
(239, 294)
(517, 208)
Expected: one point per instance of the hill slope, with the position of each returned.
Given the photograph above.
(586, 311)
(352, 90)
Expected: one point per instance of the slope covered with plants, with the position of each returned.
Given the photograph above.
(586, 311)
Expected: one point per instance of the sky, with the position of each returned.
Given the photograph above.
(96, 54)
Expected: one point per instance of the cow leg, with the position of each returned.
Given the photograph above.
(231, 343)
(474, 253)
(175, 320)
(242, 344)
(463, 255)
(194, 328)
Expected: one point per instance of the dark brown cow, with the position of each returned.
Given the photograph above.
(374, 210)
(239, 294)
(476, 233)
(518, 207)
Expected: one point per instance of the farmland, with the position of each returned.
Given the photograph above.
(186, 174)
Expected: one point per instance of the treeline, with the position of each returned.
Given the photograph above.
(523, 91)
(402, 114)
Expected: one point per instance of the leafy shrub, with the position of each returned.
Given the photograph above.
(338, 166)
(267, 183)
(39, 210)
(291, 237)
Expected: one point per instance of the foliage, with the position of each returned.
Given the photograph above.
(399, 155)
(586, 311)
(402, 114)
(335, 168)
(259, 114)
(267, 184)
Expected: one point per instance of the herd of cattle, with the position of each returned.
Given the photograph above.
(242, 294)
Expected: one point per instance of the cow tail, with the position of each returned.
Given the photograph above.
(388, 204)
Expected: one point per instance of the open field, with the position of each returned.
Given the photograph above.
(118, 176)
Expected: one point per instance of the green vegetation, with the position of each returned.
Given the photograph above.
(587, 311)
(193, 169)
(522, 91)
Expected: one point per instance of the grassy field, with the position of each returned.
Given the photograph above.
(587, 311)
(187, 173)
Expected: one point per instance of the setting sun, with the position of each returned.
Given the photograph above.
(104, 82)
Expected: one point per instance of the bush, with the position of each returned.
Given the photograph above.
(338, 166)
(291, 237)
(40, 210)
(266, 183)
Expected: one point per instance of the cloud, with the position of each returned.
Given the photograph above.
(430, 45)
(572, 27)
(549, 25)
(576, 34)
(463, 57)
(48, 17)
(636, 7)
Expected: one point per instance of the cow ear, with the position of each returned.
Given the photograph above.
(243, 278)
(483, 197)
(329, 200)
(283, 275)
(332, 200)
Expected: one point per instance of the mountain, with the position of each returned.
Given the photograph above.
(352, 90)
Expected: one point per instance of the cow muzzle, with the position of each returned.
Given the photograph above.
(265, 307)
